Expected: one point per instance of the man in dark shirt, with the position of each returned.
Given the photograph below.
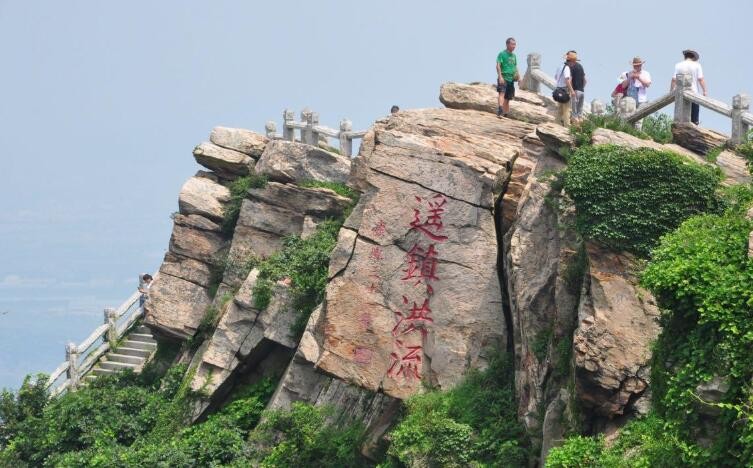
(579, 84)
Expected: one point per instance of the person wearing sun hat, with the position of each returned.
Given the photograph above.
(636, 82)
(690, 66)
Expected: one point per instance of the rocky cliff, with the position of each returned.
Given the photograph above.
(461, 246)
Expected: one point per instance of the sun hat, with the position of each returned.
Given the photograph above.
(637, 61)
(693, 54)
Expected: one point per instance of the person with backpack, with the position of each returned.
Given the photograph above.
(564, 93)
(507, 75)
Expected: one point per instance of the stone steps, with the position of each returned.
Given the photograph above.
(133, 353)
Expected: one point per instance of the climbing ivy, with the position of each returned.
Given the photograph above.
(628, 198)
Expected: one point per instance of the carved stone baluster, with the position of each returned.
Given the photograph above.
(682, 105)
(529, 82)
(740, 104)
(71, 355)
(288, 132)
(346, 143)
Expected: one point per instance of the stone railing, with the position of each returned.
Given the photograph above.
(81, 358)
(311, 131)
(681, 95)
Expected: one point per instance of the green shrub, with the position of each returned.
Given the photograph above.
(577, 452)
(337, 187)
(703, 280)
(584, 131)
(303, 436)
(658, 127)
(474, 423)
(648, 442)
(627, 198)
(305, 262)
(238, 191)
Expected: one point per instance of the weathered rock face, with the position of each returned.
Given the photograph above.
(555, 137)
(697, 139)
(276, 211)
(286, 161)
(203, 197)
(244, 334)
(617, 322)
(419, 297)
(734, 168)
(238, 139)
(224, 162)
(527, 106)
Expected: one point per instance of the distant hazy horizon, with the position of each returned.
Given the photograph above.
(103, 103)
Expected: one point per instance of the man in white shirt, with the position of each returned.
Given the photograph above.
(636, 82)
(563, 77)
(690, 66)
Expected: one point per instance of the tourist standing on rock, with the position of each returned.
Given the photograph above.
(690, 66)
(563, 77)
(507, 75)
(145, 282)
(578, 76)
(637, 82)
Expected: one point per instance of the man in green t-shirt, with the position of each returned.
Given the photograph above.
(507, 75)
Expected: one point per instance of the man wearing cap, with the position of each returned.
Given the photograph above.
(690, 66)
(637, 82)
(507, 74)
(578, 77)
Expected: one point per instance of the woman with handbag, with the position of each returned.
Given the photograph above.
(563, 92)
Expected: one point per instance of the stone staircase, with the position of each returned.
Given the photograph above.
(134, 352)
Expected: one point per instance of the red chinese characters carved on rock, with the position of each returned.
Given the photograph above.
(405, 362)
(432, 223)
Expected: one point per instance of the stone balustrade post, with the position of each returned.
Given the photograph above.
(288, 132)
(530, 83)
(112, 330)
(626, 106)
(598, 107)
(71, 355)
(306, 132)
(271, 129)
(314, 121)
(346, 143)
(683, 82)
(740, 129)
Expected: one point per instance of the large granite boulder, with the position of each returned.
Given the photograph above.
(527, 106)
(204, 197)
(556, 137)
(226, 163)
(179, 296)
(238, 139)
(287, 161)
(697, 139)
(617, 323)
(419, 298)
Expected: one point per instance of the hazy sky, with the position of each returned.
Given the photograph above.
(102, 103)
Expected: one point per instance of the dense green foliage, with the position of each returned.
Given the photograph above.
(703, 279)
(628, 198)
(238, 191)
(126, 421)
(304, 436)
(649, 442)
(474, 424)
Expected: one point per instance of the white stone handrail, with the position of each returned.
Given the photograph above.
(310, 130)
(681, 95)
(79, 359)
